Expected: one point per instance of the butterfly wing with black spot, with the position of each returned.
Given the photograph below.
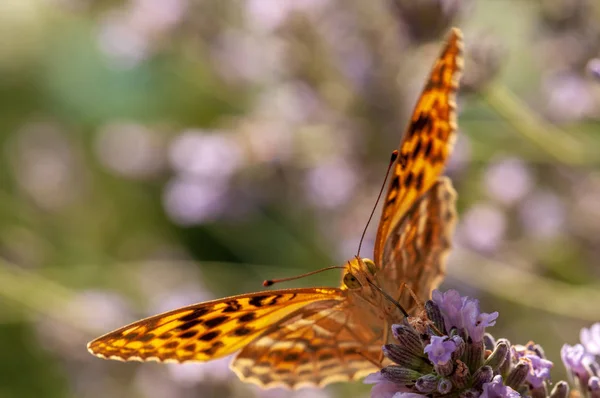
(426, 144)
(209, 330)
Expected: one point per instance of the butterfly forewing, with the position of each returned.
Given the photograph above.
(207, 330)
(426, 144)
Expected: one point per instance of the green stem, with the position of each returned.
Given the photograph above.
(557, 143)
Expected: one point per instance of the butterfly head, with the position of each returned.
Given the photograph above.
(358, 273)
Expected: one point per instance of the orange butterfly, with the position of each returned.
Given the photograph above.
(315, 336)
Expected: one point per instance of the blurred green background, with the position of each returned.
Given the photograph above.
(156, 153)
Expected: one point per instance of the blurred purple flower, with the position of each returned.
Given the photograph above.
(594, 385)
(130, 149)
(497, 389)
(330, 184)
(189, 202)
(483, 227)
(440, 349)
(590, 338)
(45, 165)
(121, 42)
(543, 215)
(199, 153)
(569, 97)
(127, 35)
(576, 359)
(508, 180)
(594, 67)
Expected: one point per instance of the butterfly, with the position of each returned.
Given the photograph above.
(316, 336)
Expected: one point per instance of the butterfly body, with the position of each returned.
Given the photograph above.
(316, 336)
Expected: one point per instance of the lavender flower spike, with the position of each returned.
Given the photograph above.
(448, 358)
(463, 313)
(440, 350)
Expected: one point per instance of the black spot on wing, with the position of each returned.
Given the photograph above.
(409, 179)
(422, 122)
(275, 299)
(232, 306)
(247, 317)
(190, 347)
(189, 324)
(188, 335)
(214, 322)
(146, 337)
(171, 344)
(291, 357)
(242, 331)
(213, 348)
(195, 314)
(419, 180)
(208, 336)
(257, 301)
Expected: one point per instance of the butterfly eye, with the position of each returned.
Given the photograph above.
(351, 282)
(370, 266)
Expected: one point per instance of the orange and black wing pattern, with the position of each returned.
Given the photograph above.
(427, 142)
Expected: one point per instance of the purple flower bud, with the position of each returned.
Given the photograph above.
(435, 315)
(460, 346)
(408, 338)
(594, 387)
(518, 374)
(440, 349)
(427, 383)
(560, 390)
(482, 376)
(590, 339)
(444, 386)
(498, 356)
(489, 342)
(400, 376)
(497, 389)
(399, 355)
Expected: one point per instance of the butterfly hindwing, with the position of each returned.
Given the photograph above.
(426, 144)
(417, 247)
(321, 344)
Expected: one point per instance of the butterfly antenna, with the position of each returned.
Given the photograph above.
(271, 282)
(387, 173)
